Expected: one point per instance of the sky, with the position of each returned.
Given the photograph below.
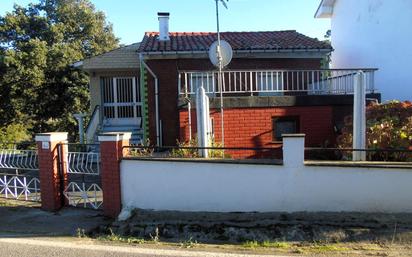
(131, 18)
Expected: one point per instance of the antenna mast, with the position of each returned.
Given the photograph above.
(219, 77)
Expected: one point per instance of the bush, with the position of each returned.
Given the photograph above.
(14, 133)
(388, 126)
(194, 153)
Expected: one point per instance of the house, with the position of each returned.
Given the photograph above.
(115, 95)
(373, 33)
(274, 84)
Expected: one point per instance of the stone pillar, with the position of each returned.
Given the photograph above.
(111, 146)
(49, 170)
(293, 150)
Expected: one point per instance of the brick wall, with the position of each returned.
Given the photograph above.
(167, 73)
(252, 127)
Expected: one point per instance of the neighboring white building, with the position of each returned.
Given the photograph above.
(373, 33)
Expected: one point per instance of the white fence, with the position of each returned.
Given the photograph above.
(78, 192)
(19, 187)
(84, 163)
(274, 82)
(18, 159)
(291, 187)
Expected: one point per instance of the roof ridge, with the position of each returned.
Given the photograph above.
(214, 32)
(240, 40)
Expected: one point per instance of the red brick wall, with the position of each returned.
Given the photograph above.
(111, 153)
(167, 73)
(252, 127)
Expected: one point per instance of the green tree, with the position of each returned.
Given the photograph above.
(39, 87)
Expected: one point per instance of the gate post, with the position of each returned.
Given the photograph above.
(111, 152)
(50, 188)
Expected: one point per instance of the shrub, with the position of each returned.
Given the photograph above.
(194, 153)
(14, 133)
(388, 126)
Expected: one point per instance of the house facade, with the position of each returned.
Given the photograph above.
(276, 83)
(115, 94)
(373, 33)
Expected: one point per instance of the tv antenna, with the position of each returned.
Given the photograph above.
(216, 57)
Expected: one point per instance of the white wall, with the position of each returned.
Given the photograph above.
(376, 34)
(195, 186)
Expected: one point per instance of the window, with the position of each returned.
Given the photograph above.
(284, 125)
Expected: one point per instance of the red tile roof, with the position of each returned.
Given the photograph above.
(200, 41)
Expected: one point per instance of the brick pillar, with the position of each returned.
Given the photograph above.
(110, 154)
(51, 197)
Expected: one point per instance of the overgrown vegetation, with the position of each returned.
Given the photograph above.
(267, 244)
(14, 133)
(389, 126)
(141, 150)
(182, 152)
(39, 87)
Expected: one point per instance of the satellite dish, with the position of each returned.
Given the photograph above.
(225, 51)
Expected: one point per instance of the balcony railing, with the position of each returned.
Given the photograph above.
(275, 82)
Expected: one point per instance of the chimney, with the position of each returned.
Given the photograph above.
(163, 26)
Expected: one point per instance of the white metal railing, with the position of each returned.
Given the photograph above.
(83, 163)
(78, 194)
(18, 159)
(19, 187)
(274, 82)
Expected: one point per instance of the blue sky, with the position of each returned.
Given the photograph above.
(131, 18)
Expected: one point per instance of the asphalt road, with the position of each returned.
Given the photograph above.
(45, 247)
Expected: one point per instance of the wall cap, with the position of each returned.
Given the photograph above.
(293, 135)
(114, 136)
(51, 137)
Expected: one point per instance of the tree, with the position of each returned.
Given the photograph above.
(389, 126)
(38, 43)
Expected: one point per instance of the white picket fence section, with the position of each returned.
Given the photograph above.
(18, 159)
(83, 163)
(78, 194)
(19, 187)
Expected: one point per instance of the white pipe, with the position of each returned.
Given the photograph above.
(359, 117)
(202, 121)
(158, 143)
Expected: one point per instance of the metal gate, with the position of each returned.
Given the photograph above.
(19, 172)
(121, 100)
(82, 183)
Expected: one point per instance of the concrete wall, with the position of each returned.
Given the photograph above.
(375, 33)
(291, 187)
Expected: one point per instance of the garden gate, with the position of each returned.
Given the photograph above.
(80, 173)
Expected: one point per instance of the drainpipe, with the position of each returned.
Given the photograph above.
(158, 143)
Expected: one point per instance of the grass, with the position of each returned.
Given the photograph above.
(254, 246)
(296, 248)
(121, 239)
(190, 243)
(327, 248)
(267, 244)
(263, 247)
